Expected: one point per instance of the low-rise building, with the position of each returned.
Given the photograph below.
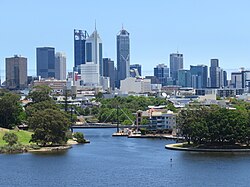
(135, 85)
(163, 120)
(57, 86)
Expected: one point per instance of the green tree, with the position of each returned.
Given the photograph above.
(10, 110)
(86, 111)
(170, 106)
(214, 126)
(99, 96)
(10, 138)
(79, 137)
(40, 93)
(49, 126)
(35, 107)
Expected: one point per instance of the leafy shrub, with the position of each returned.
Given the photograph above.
(79, 137)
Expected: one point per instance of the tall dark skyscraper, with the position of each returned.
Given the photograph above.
(176, 63)
(161, 72)
(80, 37)
(45, 62)
(123, 56)
(215, 74)
(199, 76)
(16, 72)
(109, 71)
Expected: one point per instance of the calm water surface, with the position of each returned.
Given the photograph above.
(121, 161)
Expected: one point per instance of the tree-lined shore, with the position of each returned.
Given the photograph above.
(215, 126)
(47, 124)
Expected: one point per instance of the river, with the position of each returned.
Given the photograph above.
(121, 161)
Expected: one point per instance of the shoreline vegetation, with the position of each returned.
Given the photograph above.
(23, 144)
(48, 125)
(206, 148)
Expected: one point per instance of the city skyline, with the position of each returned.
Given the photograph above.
(199, 30)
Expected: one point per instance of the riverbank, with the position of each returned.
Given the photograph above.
(51, 149)
(160, 136)
(33, 148)
(139, 135)
(23, 145)
(180, 147)
(69, 144)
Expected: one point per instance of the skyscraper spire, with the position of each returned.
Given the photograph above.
(95, 24)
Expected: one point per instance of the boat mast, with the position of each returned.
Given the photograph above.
(117, 113)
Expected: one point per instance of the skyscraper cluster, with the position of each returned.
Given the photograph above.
(93, 71)
(50, 64)
(197, 76)
(89, 61)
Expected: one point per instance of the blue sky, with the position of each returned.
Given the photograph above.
(199, 29)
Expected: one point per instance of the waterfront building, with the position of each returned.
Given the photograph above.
(94, 51)
(60, 66)
(45, 62)
(161, 72)
(199, 76)
(109, 71)
(136, 67)
(80, 37)
(162, 119)
(16, 72)
(123, 56)
(184, 78)
(135, 85)
(176, 63)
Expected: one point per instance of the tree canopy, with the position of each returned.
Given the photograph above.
(10, 110)
(215, 125)
(128, 106)
(40, 93)
(49, 126)
(44, 117)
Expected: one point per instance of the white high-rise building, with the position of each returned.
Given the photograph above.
(90, 74)
(94, 51)
(60, 66)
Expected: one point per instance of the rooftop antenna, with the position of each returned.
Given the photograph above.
(95, 24)
(122, 26)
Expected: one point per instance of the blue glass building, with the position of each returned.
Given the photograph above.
(80, 37)
(123, 56)
(199, 76)
(161, 72)
(45, 62)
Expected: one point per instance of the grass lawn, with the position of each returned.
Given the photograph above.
(23, 136)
